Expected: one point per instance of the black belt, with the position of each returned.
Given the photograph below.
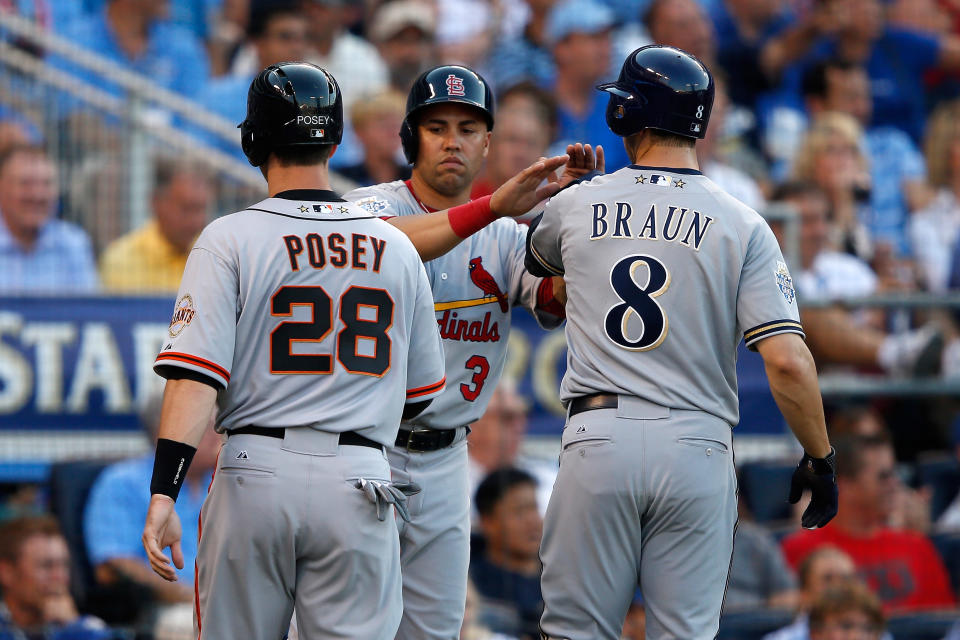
(346, 437)
(593, 401)
(422, 439)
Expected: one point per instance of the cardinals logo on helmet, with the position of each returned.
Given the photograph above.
(482, 278)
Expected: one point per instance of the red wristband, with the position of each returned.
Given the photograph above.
(467, 219)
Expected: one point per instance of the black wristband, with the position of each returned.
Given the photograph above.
(826, 465)
(170, 467)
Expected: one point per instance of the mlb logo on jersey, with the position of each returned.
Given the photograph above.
(455, 86)
(785, 282)
(660, 181)
(323, 208)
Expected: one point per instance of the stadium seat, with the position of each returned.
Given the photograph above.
(942, 474)
(948, 546)
(70, 484)
(921, 626)
(765, 487)
(752, 625)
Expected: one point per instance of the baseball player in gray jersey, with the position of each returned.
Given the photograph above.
(445, 135)
(297, 319)
(665, 274)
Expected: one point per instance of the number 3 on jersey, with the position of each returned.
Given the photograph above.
(356, 330)
(638, 301)
(481, 367)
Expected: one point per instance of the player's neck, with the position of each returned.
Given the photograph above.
(295, 177)
(433, 198)
(655, 155)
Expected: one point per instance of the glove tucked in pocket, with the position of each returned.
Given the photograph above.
(383, 494)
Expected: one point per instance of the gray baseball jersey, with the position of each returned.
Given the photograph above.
(665, 275)
(305, 312)
(473, 286)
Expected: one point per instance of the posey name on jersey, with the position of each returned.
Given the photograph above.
(317, 251)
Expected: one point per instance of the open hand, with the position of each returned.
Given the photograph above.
(581, 161)
(523, 191)
(161, 530)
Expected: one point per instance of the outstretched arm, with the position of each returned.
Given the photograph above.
(434, 234)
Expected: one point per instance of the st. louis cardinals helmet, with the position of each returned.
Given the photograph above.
(448, 83)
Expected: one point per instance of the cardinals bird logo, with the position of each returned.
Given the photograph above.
(487, 284)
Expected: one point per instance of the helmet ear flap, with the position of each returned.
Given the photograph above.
(409, 141)
(253, 146)
(620, 120)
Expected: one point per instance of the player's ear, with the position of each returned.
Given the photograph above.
(333, 150)
(486, 143)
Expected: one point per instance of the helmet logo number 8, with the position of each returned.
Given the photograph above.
(700, 112)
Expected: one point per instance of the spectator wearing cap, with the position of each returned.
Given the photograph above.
(403, 32)
(506, 571)
(897, 169)
(526, 56)
(35, 579)
(38, 253)
(277, 31)
(578, 32)
(901, 567)
(376, 121)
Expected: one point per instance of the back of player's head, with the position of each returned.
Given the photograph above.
(294, 109)
(444, 84)
(660, 88)
(496, 485)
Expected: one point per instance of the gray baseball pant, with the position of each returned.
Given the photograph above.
(645, 495)
(283, 524)
(435, 544)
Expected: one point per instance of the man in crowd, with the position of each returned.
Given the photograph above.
(579, 35)
(507, 571)
(35, 578)
(376, 121)
(901, 567)
(495, 439)
(38, 253)
(403, 33)
(152, 258)
(117, 507)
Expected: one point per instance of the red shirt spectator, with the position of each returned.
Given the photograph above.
(901, 567)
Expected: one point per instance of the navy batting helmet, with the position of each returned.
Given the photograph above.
(661, 88)
(448, 83)
(291, 104)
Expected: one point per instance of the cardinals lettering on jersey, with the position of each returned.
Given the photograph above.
(487, 284)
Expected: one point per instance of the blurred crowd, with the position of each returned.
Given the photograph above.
(839, 120)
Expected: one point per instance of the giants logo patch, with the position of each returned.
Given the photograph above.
(455, 86)
(183, 314)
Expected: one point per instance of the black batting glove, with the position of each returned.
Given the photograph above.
(820, 476)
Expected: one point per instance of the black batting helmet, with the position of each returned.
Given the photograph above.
(291, 104)
(448, 83)
(661, 88)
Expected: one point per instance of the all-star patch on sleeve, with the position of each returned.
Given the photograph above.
(767, 299)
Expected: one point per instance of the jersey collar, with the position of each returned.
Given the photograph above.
(426, 208)
(312, 195)
(687, 172)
